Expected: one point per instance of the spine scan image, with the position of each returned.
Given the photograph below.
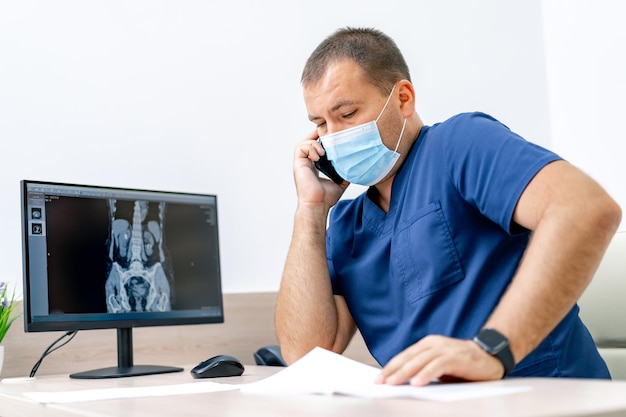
(137, 280)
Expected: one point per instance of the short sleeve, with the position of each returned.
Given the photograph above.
(490, 165)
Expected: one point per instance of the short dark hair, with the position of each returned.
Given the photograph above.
(376, 53)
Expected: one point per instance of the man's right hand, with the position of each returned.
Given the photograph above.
(310, 187)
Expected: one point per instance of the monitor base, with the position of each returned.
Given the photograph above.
(122, 372)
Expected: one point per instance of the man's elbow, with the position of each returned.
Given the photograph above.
(292, 353)
(608, 216)
(293, 349)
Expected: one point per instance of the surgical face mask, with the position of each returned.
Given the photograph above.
(358, 153)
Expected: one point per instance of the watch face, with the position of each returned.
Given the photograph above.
(493, 341)
(496, 344)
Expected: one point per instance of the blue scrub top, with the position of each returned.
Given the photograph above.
(439, 261)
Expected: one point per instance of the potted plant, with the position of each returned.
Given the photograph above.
(7, 304)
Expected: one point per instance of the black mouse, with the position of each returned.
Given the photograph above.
(218, 366)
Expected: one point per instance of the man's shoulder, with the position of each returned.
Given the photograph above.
(347, 206)
(466, 119)
(346, 213)
(467, 130)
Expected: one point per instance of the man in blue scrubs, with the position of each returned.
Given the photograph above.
(466, 255)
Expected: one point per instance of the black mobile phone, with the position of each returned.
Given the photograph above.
(326, 167)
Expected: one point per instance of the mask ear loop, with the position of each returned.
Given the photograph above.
(386, 102)
(400, 138)
(403, 124)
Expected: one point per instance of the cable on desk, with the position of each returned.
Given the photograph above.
(52, 348)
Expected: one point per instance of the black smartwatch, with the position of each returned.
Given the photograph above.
(496, 344)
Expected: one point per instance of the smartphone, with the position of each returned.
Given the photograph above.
(326, 167)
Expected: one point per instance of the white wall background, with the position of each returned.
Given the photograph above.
(585, 44)
(204, 96)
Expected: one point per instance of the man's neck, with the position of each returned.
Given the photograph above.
(380, 194)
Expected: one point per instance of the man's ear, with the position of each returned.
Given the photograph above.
(406, 93)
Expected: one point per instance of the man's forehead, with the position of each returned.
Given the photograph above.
(343, 80)
(340, 72)
(323, 100)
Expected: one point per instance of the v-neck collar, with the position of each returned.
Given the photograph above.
(371, 210)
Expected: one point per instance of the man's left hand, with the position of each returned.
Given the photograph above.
(440, 358)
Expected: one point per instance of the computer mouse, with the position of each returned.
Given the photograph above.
(218, 366)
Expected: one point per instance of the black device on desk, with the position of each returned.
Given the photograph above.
(218, 366)
(116, 258)
(269, 356)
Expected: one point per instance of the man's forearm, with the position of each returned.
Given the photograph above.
(306, 314)
(559, 263)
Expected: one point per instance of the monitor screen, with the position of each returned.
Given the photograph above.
(101, 257)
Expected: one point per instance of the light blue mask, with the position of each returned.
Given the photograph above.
(359, 154)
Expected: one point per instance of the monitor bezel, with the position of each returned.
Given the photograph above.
(111, 320)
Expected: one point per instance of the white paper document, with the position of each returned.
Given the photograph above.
(325, 372)
(318, 372)
(127, 392)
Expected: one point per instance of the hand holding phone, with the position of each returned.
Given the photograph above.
(326, 167)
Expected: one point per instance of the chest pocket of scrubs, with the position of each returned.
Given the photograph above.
(423, 254)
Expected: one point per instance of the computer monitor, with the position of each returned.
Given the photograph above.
(111, 258)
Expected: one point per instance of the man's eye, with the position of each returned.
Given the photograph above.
(349, 114)
(321, 124)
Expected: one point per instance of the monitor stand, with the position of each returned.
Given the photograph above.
(125, 365)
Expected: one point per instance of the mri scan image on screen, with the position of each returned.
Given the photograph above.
(139, 277)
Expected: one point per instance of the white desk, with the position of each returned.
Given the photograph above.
(550, 397)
